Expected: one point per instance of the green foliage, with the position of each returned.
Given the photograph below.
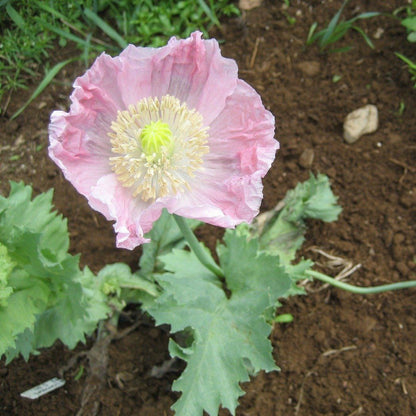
(336, 30)
(282, 230)
(230, 333)
(31, 28)
(44, 295)
(150, 22)
(409, 22)
(45, 280)
(227, 321)
(407, 16)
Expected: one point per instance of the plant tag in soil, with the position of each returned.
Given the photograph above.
(44, 388)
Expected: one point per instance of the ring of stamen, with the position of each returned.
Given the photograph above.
(158, 145)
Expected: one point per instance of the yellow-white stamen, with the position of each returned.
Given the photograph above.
(159, 146)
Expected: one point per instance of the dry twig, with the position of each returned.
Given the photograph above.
(334, 263)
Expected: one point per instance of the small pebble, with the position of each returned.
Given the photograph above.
(378, 33)
(361, 121)
(249, 4)
(306, 158)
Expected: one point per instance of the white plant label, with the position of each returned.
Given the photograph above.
(42, 389)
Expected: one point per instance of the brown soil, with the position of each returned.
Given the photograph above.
(343, 354)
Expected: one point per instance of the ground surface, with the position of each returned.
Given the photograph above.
(344, 354)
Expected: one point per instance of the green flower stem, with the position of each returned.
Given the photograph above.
(194, 245)
(360, 290)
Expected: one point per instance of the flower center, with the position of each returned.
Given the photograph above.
(154, 137)
(158, 145)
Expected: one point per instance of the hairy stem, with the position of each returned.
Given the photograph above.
(361, 290)
(194, 245)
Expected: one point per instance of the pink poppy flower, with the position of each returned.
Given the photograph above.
(170, 127)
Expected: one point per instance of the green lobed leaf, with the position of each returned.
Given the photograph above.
(48, 300)
(411, 37)
(121, 286)
(74, 311)
(18, 212)
(115, 277)
(230, 334)
(284, 228)
(28, 299)
(409, 23)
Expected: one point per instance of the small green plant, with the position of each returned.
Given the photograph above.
(409, 19)
(337, 29)
(411, 66)
(336, 78)
(44, 295)
(409, 22)
(401, 109)
(290, 19)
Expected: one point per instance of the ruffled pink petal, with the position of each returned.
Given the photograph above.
(242, 149)
(79, 141)
(133, 217)
(68, 148)
(192, 70)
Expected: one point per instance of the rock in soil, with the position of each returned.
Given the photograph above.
(362, 121)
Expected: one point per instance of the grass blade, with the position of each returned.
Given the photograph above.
(105, 27)
(310, 39)
(64, 34)
(15, 16)
(332, 25)
(50, 10)
(339, 32)
(368, 15)
(45, 82)
(86, 51)
(340, 50)
(364, 35)
(209, 12)
(410, 63)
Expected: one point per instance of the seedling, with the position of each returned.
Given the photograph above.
(409, 22)
(337, 29)
(400, 110)
(411, 66)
